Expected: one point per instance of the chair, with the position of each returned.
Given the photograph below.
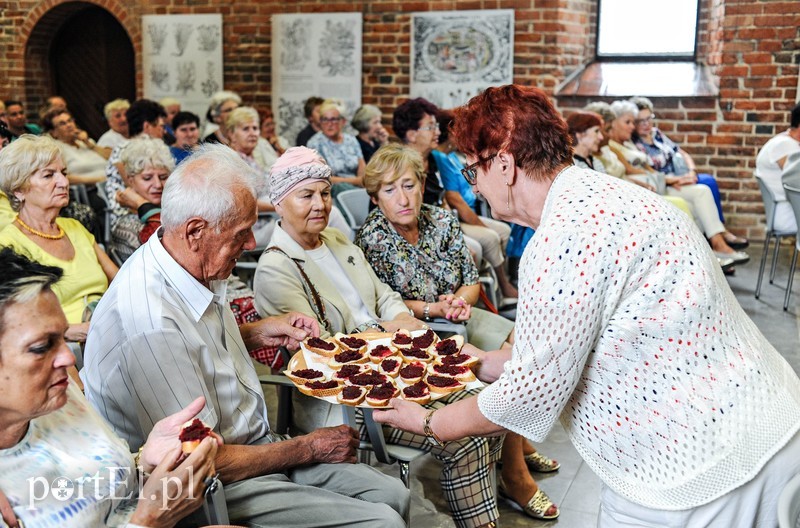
(79, 194)
(789, 505)
(354, 204)
(101, 192)
(793, 195)
(770, 203)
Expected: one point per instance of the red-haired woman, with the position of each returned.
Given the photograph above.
(586, 129)
(626, 331)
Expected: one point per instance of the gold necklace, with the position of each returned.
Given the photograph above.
(33, 231)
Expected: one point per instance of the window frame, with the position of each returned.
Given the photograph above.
(650, 57)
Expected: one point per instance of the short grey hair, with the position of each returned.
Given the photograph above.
(642, 103)
(21, 159)
(602, 108)
(363, 116)
(204, 185)
(116, 104)
(219, 99)
(620, 108)
(144, 152)
(241, 116)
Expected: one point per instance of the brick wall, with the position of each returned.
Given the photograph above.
(752, 47)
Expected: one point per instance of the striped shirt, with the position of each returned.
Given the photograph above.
(158, 340)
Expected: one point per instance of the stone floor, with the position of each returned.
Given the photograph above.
(574, 487)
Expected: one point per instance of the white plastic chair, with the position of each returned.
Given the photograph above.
(793, 195)
(770, 203)
(354, 204)
(789, 505)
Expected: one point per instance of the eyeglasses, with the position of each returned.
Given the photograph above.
(646, 120)
(65, 122)
(330, 119)
(433, 126)
(470, 173)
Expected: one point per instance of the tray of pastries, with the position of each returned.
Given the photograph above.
(368, 370)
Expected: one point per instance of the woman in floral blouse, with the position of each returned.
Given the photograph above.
(419, 251)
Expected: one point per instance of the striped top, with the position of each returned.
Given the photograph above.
(158, 340)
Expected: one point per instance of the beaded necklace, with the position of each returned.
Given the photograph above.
(33, 231)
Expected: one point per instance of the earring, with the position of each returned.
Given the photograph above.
(508, 196)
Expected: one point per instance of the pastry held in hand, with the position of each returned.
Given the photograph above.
(192, 433)
(322, 347)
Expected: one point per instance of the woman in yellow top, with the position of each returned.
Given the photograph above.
(33, 176)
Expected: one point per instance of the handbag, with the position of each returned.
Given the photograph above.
(679, 165)
(316, 301)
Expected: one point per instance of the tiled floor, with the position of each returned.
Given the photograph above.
(574, 487)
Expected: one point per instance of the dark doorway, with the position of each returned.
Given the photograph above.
(92, 62)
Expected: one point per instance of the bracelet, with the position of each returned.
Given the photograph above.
(463, 299)
(137, 458)
(429, 434)
(426, 312)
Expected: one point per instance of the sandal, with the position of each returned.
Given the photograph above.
(537, 505)
(540, 463)
(735, 242)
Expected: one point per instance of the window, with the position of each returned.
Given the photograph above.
(647, 29)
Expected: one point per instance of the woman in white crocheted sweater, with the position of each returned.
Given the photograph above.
(627, 331)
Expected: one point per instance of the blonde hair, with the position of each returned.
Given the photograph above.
(169, 101)
(389, 164)
(116, 104)
(332, 104)
(21, 159)
(240, 116)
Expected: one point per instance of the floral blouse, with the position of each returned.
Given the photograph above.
(439, 264)
(661, 152)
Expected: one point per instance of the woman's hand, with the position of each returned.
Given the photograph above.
(164, 436)
(130, 199)
(171, 493)
(404, 415)
(77, 332)
(452, 308)
(492, 363)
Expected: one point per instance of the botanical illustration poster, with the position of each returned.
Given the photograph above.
(458, 54)
(182, 58)
(314, 55)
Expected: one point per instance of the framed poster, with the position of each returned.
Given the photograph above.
(314, 55)
(457, 54)
(182, 58)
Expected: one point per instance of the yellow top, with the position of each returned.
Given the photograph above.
(84, 280)
(7, 214)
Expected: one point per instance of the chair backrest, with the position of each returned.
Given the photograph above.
(793, 195)
(789, 505)
(354, 204)
(769, 200)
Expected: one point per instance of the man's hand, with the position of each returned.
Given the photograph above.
(164, 436)
(280, 330)
(333, 445)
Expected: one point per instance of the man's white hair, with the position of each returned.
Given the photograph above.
(204, 185)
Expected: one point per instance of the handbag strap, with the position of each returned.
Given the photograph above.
(316, 301)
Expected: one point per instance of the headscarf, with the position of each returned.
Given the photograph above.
(295, 167)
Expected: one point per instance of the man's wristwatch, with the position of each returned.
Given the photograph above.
(429, 434)
(426, 312)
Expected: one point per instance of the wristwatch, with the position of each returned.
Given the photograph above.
(429, 434)
(426, 312)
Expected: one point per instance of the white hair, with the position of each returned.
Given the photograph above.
(142, 152)
(620, 108)
(205, 185)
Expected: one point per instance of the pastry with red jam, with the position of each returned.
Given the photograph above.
(415, 354)
(380, 352)
(322, 347)
(321, 389)
(460, 372)
(379, 395)
(346, 357)
(402, 339)
(367, 379)
(351, 395)
(391, 366)
(418, 392)
(458, 359)
(192, 433)
(303, 376)
(350, 342)
(426, 340)
(412, 372)
(447, 347)
(351, 369)
(443, 384)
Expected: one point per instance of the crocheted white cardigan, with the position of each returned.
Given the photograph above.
(627, 330)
